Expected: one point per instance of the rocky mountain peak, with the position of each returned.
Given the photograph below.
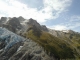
(44, 28)
(33, 22)
(3, 20)
(21, 19)
(15, 23)
(13, 20)
(12, 24)
(71, 31)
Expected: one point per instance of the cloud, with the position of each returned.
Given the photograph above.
(73, 23)
(50, 10)
(58, 27)
(55, 7)
(75, 18)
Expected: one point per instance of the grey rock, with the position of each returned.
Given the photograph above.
(12, 42)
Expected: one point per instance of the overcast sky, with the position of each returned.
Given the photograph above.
(55, 14)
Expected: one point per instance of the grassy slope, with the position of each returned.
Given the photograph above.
(51, 44)
(74, 41)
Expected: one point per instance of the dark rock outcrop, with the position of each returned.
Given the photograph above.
(21, 19)
(13, 25)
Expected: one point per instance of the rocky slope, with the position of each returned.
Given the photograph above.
(70, 37)
(14, 47)
(59, 44)
(19, 24)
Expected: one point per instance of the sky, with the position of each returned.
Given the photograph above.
(55, 14)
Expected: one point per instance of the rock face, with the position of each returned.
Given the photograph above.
(14, 47)
(18, 25)
(3, 19)
(30, 51)
(13, 24)
(63, 33)
(35, 23)
(21, 19)
(44, 28)
(55, 43)
(56, 33)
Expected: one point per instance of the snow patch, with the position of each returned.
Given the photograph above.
(25, 22)
(67, 31)
(19, 48)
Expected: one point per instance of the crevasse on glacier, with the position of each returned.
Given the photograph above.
(9, 37)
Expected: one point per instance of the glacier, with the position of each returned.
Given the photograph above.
(9, 38)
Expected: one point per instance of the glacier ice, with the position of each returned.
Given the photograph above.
(9, 37)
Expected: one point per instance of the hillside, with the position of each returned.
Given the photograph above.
(70, 37)
(54, 44)
(15, 47)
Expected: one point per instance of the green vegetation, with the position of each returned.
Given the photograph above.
(65, 46)
(73, 39)
(53, 45)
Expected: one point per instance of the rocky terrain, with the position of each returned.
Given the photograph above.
(14, 47)
(26, 39)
